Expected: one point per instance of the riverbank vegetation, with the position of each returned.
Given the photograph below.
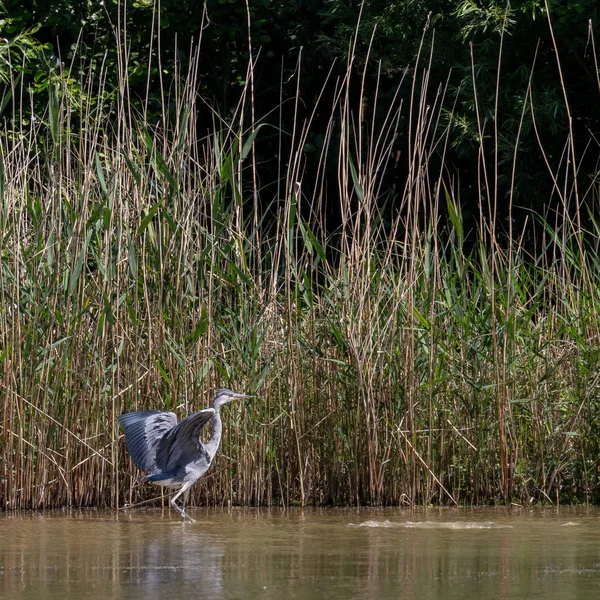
(404, 346)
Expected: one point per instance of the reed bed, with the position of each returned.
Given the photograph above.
(143, 265)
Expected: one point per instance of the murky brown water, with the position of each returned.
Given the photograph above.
(244, 553)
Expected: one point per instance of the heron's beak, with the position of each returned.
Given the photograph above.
(235, 396)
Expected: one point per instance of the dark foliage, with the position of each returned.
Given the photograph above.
(464, 41)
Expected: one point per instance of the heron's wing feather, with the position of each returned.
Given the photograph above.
(183, 441)
(143, 432)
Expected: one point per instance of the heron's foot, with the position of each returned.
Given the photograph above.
(184, 515)
(182, 512)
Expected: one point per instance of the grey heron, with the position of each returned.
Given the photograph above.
(172, 452)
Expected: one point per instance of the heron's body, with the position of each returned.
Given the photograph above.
(172, 452)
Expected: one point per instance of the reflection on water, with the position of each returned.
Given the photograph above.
(96, 555)
(416, 554)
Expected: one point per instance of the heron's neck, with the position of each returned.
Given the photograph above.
(215, 439)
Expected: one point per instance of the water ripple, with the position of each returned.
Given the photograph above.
(432, 525)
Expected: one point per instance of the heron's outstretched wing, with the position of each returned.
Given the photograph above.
(143, 432)
(182, 444)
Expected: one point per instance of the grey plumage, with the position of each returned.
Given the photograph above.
(172, 452)
(143, 432)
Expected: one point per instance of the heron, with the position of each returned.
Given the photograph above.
(172, 452)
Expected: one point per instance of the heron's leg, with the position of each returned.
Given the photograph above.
(183, 490)
(185, 497)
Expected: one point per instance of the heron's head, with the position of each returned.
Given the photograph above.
(225, 396)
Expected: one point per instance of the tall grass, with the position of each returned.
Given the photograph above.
(392, 362)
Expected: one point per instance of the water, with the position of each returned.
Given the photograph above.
(246, 553)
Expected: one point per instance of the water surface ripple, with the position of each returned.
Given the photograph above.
(303, 554)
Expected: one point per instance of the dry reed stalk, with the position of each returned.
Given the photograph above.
(131, 277)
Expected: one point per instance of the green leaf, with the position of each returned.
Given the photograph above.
(248, 143)
(357, 186)
(8, 93)
(110, 317)
(202, 325)
(100, 174)
(151, 213)
(131, 310)
(53, 109)
(454, 214)
(159, 165)
(76, 273)
(132, 258)
(162, 371)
